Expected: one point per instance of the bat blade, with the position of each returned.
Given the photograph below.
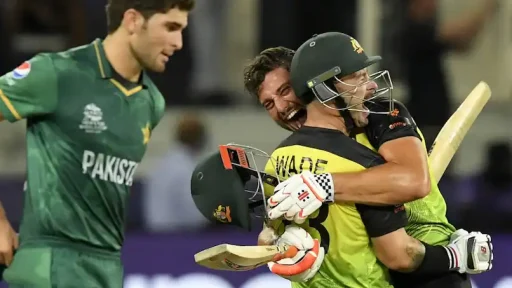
(241, 258)
(455, 129)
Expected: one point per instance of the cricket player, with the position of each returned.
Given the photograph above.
(268, 79)
(90, 112)
(331, 254)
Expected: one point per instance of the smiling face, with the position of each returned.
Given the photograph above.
(277, 97)
(267, 78)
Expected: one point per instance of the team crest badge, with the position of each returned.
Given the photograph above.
(357, 47)
(93, 119)
(21, 71)
(222, 214)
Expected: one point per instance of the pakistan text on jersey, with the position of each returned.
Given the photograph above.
(109, 168)
(288, 165)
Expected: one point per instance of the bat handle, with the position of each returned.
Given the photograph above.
(287, 252)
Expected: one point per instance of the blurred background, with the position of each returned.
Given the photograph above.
(436, 51)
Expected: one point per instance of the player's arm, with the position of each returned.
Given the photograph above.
(405, 175)
(30, 90)
(8, 239)
(403, 253)
(385, 225)
(392, 246)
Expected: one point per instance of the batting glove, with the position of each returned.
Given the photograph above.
(304, 265)
(471, 253)
(300, 196)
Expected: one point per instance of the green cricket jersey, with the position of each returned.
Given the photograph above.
(427, 216)
(87, 131)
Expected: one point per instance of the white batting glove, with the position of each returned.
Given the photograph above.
(471, 253)
(304, 265)
(300, 195)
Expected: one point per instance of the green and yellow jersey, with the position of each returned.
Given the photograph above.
(427, 220)
(87, 131)
(344, 229)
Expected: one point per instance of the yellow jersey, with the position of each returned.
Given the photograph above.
(344, 229)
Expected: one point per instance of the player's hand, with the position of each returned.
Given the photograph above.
(473, 251)
(267, 236)
(304, 265)
(300, 195)
(8, 242)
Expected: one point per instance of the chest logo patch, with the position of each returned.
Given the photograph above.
(93, 120)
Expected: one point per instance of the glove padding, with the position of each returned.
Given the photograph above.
(304, 265)
(472, 252)
(300, 196)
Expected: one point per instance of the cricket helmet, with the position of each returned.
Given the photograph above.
(228, 186)
(328, 57)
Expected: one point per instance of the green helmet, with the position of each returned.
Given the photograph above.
(226, 187)
(331, 56)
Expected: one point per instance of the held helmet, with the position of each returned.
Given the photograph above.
(323, 60)
(228, 186)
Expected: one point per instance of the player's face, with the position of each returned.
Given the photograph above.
(277, 96)
(157, 38)
(357, 89)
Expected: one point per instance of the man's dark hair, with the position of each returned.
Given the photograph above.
(268, 60)
(116, 8)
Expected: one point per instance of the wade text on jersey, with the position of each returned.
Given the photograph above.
(290, 165)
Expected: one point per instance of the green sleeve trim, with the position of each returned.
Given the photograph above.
(8, 111)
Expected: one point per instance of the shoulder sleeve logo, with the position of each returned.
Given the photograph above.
(21, 71)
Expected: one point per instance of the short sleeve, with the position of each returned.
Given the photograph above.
(385, 127)
(29, 90)
(159, 112)
(381, 220)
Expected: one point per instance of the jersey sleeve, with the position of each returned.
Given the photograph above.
(159, 112)
(29, 90)
(385, 127)
(381, 220)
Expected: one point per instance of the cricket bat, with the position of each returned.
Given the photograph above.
(455, 129)
(242, 258)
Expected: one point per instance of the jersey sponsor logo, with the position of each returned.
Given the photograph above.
(93, 120)
(397, 124)
(21, 71)
(109, 168)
